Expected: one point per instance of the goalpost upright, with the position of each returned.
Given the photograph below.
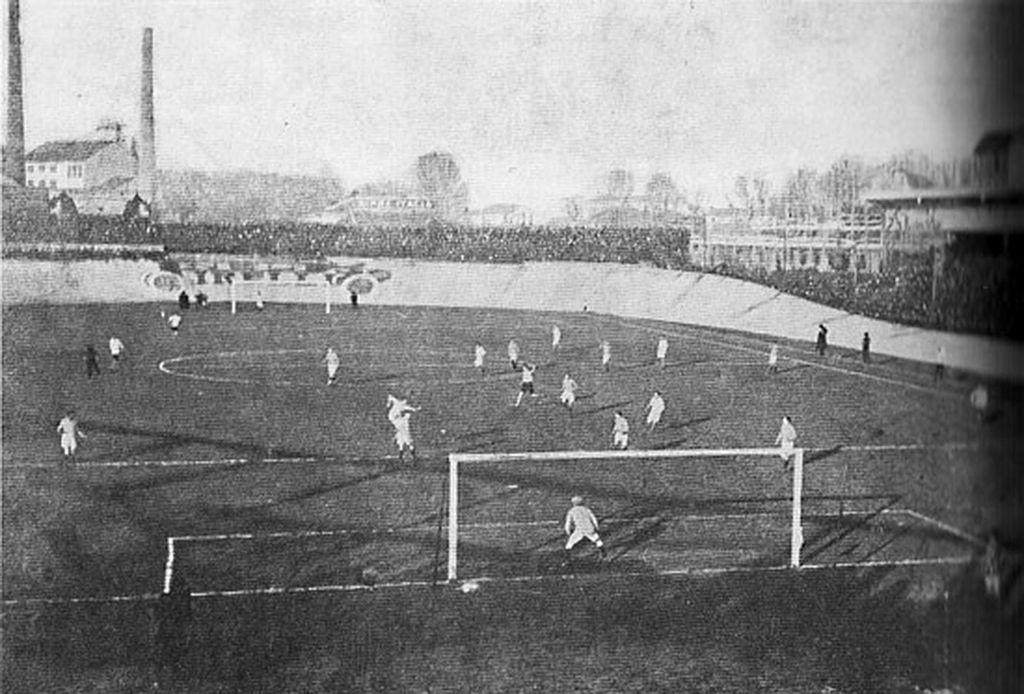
(457, 459)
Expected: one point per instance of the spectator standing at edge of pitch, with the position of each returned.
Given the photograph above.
(822, 341)
(581, 523)
(662, 351)
(786, 440)
(940, 364)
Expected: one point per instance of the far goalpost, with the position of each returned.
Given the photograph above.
(457, 461)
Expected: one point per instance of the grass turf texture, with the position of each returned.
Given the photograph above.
(251, 387)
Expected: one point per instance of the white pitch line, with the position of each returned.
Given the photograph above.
(963, 535)
(751, 350)
(839, 447)
(696, 571)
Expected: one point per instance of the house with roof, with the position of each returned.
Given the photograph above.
(81, 164)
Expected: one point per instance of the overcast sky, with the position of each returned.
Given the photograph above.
(535, 99)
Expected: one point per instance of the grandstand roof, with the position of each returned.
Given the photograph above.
(67, 150)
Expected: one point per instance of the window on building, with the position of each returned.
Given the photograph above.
(75, 171)
(53, 168)
(29, 168)
(53, 184)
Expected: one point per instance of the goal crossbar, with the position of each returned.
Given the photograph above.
(455, 460)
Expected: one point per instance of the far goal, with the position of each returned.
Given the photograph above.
(653, 505)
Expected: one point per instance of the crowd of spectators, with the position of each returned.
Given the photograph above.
(974, 292)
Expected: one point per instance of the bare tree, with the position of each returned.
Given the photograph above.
(441, 181)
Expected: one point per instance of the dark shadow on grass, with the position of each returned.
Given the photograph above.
(605, 408)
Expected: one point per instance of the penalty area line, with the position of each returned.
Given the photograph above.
(537, 578)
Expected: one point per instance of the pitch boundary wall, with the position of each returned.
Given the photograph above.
(629, 291)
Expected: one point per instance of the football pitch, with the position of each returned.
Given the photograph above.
(221, 457)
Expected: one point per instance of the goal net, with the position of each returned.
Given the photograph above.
(739, 503)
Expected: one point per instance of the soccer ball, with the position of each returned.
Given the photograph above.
(444, 431)
(468, 587)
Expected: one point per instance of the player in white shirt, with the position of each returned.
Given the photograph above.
(773, 359)
(69, 435)
(620, 431)
(662, 350)
(400, 414)
(478, 357)
(606, 353)
(174, 322)
(513, 354)
(581, 523)
(116, 352)
(259, 300)
(655, 408)
(568, 396)
(556, 337)
(527, 384)
(333, 361)
(786, 439)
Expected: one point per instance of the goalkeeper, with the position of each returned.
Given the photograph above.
(580, 523)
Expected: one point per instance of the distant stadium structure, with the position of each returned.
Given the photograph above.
(378, 210)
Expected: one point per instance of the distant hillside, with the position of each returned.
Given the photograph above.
(242, 196)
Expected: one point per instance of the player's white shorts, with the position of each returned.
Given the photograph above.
(577, 536)
(568, 398)
(403, 438)
(332, 371)
(653, 417)
(787, 450)
(68, 443)
(621, 439)
(478, 363)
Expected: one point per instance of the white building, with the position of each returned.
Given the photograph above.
(76, 165)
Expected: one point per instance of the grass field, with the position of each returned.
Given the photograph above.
(279, 492)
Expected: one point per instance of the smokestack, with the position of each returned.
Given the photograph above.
(14, 154)
(147, 129)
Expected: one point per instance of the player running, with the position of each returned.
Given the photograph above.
(174, 322)
(556, 337)
(478, 357)
(785, 439)
(620, 431)
(527, 384)
(69, 435)
(333, 361)
(568, 396)
(662, 351)
(513, 354)
(656, 407)
(581, 523)
(980, 401)
(773, 359)
(606, 354)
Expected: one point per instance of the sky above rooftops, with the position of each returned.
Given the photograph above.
(537, 100)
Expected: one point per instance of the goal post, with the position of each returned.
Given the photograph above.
(457, 461)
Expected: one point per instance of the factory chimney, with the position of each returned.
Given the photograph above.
(147, 130)
(14, 148)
